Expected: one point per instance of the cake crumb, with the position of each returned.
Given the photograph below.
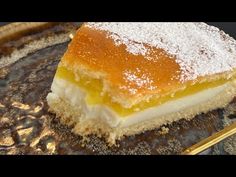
(4, 72)
(164, 130)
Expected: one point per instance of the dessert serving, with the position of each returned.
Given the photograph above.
(120, 79)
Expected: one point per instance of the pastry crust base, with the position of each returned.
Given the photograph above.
(71, 116)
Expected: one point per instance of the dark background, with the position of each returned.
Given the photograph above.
(228, 27)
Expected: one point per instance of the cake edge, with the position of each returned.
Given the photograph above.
(69, 116)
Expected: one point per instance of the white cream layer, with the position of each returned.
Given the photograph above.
(76, 97)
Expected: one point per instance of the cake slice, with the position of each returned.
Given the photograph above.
(120, 79)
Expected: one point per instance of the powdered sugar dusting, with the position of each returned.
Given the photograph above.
(132, 77)
(199, 49)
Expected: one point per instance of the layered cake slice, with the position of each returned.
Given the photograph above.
(121, 79)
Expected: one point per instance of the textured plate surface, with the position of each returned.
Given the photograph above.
(26, 126)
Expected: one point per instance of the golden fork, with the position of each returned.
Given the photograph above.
(211, 140)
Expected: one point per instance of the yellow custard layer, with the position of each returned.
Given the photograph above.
(93, 88)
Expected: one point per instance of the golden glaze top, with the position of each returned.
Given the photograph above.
(128, 73)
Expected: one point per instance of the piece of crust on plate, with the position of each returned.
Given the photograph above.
(120, 79)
